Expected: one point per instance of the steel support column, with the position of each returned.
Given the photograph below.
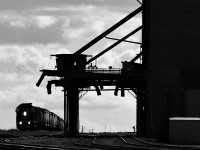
(66, 117)
(71, 110)
(140, 120)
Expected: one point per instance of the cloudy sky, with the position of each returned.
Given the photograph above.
(32, 30)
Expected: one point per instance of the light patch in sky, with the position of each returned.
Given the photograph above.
(25, 21)
(44, 21)
(121, 108)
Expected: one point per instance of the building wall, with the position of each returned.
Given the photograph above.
(173, 44)
(184, 131)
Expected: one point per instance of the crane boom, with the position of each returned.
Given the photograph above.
(113, 45)
(101, 36)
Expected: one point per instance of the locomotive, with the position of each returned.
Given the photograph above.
(29, 117)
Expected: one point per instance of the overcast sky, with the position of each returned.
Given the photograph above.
(32, 30)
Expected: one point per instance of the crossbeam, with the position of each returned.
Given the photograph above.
(123, 41)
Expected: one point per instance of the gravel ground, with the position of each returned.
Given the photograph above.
(50, 141)
(109, 141)
(57, 139)
(15, 133)
(38, 137)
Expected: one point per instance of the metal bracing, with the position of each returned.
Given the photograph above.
(113, 45)
(82, 95)
(110, 89)
(123, 41)
(101, 36)
(132, 94)
(137, 57)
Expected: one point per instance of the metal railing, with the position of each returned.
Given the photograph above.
(105, 71)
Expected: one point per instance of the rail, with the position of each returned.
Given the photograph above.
(105, 71)
(116, 71)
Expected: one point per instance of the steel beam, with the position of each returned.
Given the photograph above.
(123, 41)
(101, 36)
(138, 56)
(113, 45)
(71, 108)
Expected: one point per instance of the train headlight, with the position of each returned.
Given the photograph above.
(29, 122)
(24, 113)
(20, 123)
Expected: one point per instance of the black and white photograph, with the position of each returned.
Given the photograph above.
(99, 74)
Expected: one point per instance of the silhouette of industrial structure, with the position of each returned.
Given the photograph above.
(166, 82)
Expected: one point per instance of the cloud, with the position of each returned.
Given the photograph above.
(20, 23)
(20, 65)
(75, 21)
(30, 30)
(114, 58)
(27, 59)
(109, 4)
(127, 27)
(16, 59)
(99, 102)
(44, 21)
(84, 24)
(106, 101)
(8, 119)
(27, 20)
(92, 26)
(44, 29)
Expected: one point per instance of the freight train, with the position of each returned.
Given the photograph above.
(29, 117)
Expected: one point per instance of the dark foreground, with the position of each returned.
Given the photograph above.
(41, 140)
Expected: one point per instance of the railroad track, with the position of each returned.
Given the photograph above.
(16, 144)
(116, 141)
(105, 141)
(11, 146)
(125, 142)
(153, 145)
